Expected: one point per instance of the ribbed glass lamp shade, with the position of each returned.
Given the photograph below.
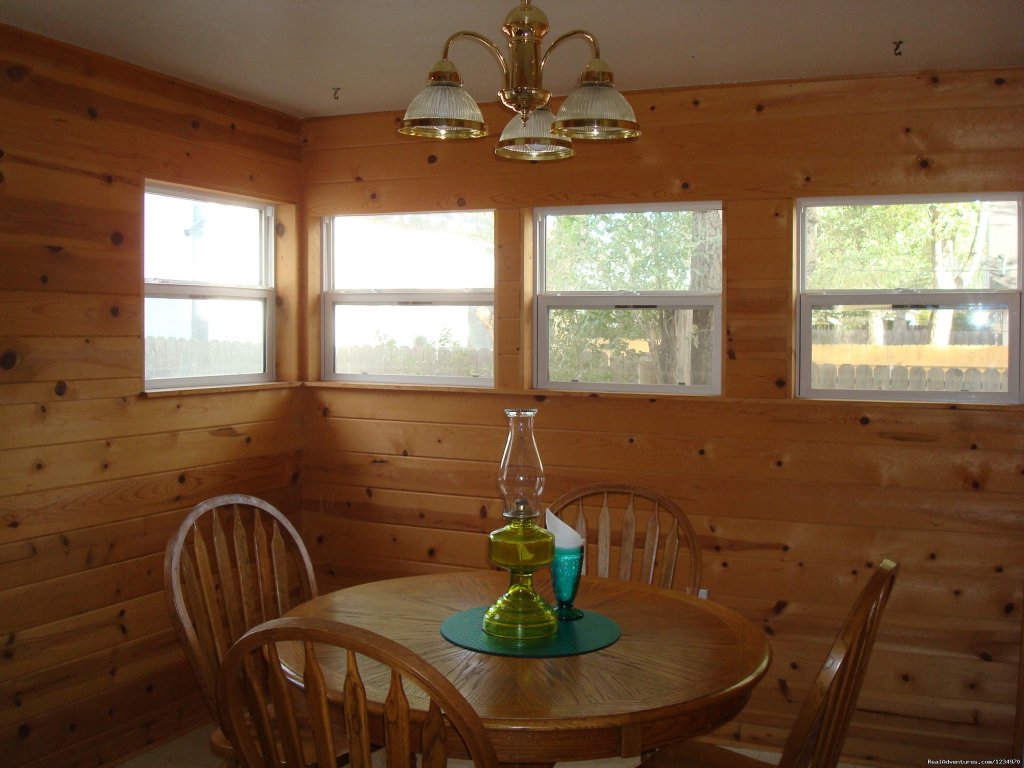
(596, 111)
(533, 139)
(444, 110)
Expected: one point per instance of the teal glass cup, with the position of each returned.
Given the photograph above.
(565, 579)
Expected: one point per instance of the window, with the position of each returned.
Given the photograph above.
(209, 279)
(629, 298)
(912, 298)
(409, 298)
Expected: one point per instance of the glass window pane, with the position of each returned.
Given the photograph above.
(189, 240)
(634, 251)
(427, 251)
(916, 349)
(667, 346)
(914, 246)
(204, 337)
(414, 340)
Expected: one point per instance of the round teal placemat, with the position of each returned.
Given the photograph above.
(591, 633)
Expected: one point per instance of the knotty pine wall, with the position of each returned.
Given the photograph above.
(794, 500)
(96, 476)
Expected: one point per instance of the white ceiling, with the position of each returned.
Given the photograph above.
(331, 57)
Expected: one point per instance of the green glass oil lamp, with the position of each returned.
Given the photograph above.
(522, 546)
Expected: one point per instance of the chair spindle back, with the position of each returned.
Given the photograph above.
(269, 712)
(235, 562)
(651, 559)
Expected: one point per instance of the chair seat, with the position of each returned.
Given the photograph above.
(699, 755)
(221, 746)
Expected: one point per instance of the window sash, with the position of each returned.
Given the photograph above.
(804, 204)
(937, 298)
(540, 216)
(202, 291)
(331, 268)
(161, 288)
(266, 300)
(546, 303)
(332, 297)
(909, 300)
(266, 232)
(335, 299)
(412, 298)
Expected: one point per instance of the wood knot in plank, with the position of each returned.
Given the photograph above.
(16, 73)
(784, 690)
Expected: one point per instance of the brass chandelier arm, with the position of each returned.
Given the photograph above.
(484, 42)
(594, 110)
(595, 49)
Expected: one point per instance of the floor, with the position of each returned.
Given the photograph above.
(191, 751)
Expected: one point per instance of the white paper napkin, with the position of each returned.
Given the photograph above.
(565, 536)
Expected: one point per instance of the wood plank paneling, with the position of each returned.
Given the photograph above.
(814, 99)
(131, 736)
(35, 694)
(83, 420)
(793, 500)
(46, 557)
(47, 266)
(65, 509)
(794, 505)
(84, 68)
(78, 720)
(58, 642)
(70, 464)
(96, 474)
(69, 357)
(39, 314)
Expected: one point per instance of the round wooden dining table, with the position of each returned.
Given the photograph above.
(681, 666)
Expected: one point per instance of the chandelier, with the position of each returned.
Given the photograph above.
(595, 110)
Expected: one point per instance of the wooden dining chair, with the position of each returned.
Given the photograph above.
(621, 511)
(235, 562)
(387, 697)
(816, 740)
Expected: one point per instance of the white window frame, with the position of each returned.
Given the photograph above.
(809, 300)
(546, 300)
(183, 289)
(332, 297)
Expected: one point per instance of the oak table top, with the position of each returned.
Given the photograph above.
(682, 666)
